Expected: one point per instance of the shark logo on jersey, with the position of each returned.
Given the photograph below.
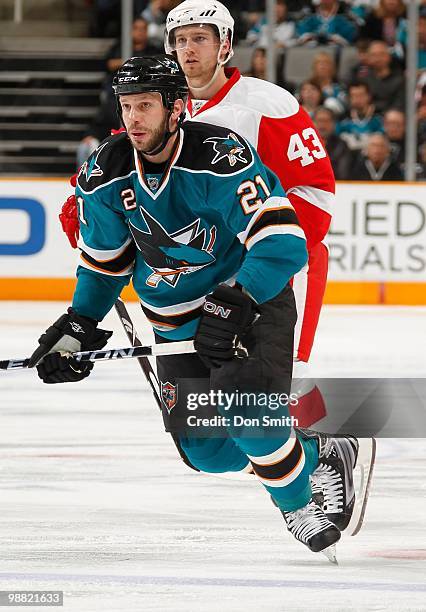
(91, 167)
(227, 148)
(171, 255)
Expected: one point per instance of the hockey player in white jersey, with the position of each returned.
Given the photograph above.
(200, 34)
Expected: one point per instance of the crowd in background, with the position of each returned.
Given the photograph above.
(360, 115)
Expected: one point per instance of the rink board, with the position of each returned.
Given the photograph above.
(377, 243)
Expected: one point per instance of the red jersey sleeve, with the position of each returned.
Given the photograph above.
(292, 148)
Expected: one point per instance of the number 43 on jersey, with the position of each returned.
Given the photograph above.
(306, 147)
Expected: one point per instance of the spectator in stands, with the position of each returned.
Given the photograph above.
(330, 22)
(155, 15)
(324, 75)
(421, 173)
(258, 64)
(295, 7)
(285, 30)
(106, 120)
(310, 97)
(421, 36)
(254, 18)
(361, 8)
(258, 69)
(142, 45)
(362, 120)
(387, 86)
(337, 149)
(238, 10)
(394, 124)
(376, 164)
(107, 117)
(421, 57)
(360, 69)
(421, 114)
(384, 22)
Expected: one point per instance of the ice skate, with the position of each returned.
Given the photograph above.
(333, 486)
(311, 526)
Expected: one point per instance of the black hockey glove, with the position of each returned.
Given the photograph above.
(70, 333)
(227, 314)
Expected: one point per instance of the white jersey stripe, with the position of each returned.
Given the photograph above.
(175, 309)
(300, 290)
(101, 255)
(125, 272)
(278, 455)
(317, 197)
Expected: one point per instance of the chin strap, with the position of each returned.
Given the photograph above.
(167, 134)
(197, 91)
(166, 137)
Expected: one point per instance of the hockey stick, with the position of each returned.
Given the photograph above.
(129, 352)
(133, 337)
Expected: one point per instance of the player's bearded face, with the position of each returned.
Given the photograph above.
(153, 139)
(145, 120)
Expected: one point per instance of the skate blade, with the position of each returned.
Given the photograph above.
(330, 553)
(365, 463)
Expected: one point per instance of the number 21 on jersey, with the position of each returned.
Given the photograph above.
(251, 194)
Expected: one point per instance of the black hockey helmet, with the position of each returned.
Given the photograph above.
(157, 73)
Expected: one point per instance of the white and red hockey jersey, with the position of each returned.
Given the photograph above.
(272, 120)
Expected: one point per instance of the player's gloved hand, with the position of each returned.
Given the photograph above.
(70, 333)
(69, 220)
(227, 314)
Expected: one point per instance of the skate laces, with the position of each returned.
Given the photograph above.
(306, 522)
(328, 480)
(326, 447)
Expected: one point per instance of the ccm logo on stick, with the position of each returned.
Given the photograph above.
(35, 240)
(219, 311)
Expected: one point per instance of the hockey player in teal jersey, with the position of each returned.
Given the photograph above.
(205, 231)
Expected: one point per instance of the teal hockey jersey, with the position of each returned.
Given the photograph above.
(213, 214)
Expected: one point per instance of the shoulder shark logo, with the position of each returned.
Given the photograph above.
(230, 148)
(91, 167)
(171, 255)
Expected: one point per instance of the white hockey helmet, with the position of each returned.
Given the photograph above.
(193, 12)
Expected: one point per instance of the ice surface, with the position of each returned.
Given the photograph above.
(95, 502)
